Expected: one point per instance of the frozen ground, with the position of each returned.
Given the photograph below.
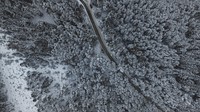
(52, 61)
(14, 77)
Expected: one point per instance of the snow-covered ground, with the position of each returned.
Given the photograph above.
(14, 78)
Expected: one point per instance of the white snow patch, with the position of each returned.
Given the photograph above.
(97, 49)
(57, 73)
(45, 18)
(13, 76)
